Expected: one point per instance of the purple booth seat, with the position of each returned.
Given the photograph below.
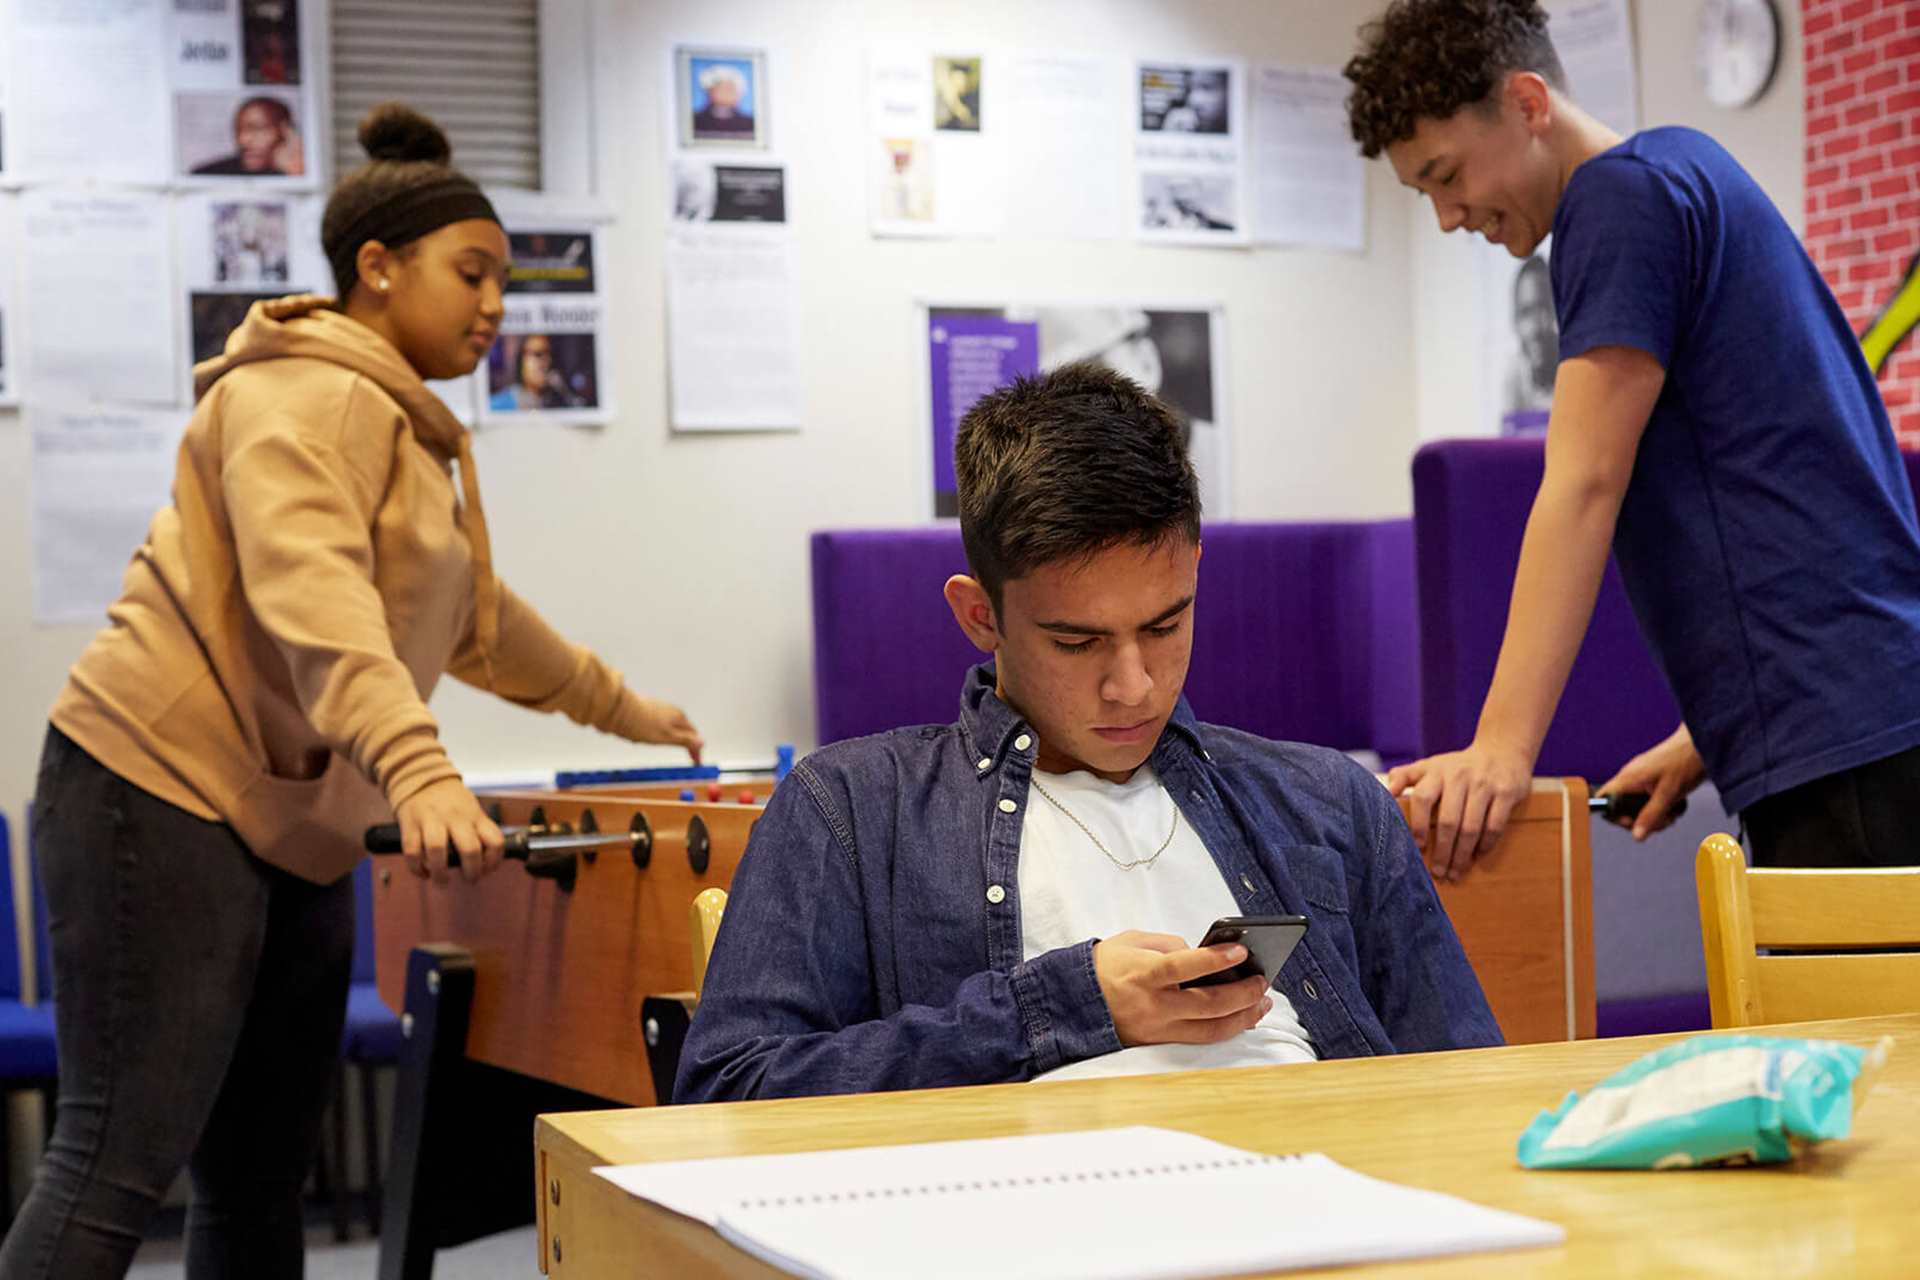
(1471, 500)
(1470, 505)
(1303, 632)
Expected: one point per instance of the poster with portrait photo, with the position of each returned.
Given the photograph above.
(212, 317)
(529, 372)
(1520, 339)
(903, 187)
(545, 367)
(551, 262)
(706, 191)
(241, 245)
(1185, 99)
(1204, 203)
(721, 98)
(253, 136)
(243, 240)
(242, 109)
(250, 243)
(1188, 152)
(270, 41)
(1176, 352)
(956, 94)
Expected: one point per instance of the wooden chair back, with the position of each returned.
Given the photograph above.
(703, 926)
(1832, 939)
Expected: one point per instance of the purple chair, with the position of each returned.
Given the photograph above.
(369, 1041)
(28, 1054)
(1303, 632)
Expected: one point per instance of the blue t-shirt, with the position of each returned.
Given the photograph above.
(1768, 539)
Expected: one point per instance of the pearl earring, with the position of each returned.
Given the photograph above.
(383, 286)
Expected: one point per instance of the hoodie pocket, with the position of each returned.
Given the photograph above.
(312, 827)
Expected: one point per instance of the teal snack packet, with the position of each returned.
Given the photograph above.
(1709, 1100)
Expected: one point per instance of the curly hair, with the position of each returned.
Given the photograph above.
(1430, 58)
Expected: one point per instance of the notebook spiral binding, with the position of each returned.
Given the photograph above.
(1012, 1184)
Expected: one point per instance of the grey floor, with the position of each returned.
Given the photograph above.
(507, 1256)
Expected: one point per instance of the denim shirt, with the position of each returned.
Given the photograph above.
(872, 935)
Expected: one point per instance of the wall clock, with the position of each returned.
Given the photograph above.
(1737, 50)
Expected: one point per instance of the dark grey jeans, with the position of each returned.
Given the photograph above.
(199, 998)
(1867, 816)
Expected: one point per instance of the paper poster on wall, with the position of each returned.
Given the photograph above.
(87, 88)
(98, 476)
(1067, 135)
(7, 158)
(1189, 125)
(97, 278)
(9, 311)
(1308, 181)
(1174, 352)
(1594, 39)
(733, 303)
(547, 364)
(242, 105)
(236, 248)
(1520, 340)
(733, 329)
(936, 144)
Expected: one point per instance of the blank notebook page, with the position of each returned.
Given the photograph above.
(1137, 1202)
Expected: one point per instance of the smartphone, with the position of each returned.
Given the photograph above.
(1269, 940)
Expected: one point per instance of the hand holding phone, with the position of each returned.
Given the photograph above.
(1269, 940)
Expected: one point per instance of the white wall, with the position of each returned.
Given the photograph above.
(683, 559)
(1768, 138)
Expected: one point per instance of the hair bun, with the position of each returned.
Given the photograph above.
(395, 131)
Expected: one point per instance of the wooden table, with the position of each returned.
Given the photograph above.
(1446, 1121)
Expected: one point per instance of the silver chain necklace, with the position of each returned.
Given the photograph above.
(1124, 866)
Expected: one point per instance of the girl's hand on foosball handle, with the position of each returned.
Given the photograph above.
(444, 815)
(664, 723)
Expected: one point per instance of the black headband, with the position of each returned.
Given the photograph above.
(407, 216)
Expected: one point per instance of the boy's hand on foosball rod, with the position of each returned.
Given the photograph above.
(1666, 772)
(444, 815)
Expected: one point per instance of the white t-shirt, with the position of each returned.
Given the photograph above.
(1070, 891)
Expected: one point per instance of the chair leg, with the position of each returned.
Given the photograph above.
(370, 1124)
(342, 1227)
(6, 1154)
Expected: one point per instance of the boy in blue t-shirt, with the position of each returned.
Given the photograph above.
(1713, 420)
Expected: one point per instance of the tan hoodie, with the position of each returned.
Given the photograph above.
(276, 638)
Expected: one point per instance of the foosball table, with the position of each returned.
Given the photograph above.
(562, 981)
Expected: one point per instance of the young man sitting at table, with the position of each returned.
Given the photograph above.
(1012, 895)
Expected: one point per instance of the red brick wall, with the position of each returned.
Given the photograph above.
(1863, 168)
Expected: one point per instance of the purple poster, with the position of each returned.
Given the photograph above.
(972, 353)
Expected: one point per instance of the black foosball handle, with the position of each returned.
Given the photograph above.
(1625, 806)
(384, 839)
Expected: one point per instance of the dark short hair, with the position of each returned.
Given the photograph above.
(1426, 59)
(1062, 466)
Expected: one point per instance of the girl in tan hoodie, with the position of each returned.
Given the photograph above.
(257, 699)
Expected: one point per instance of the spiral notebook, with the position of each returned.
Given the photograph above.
(1145, 1203)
